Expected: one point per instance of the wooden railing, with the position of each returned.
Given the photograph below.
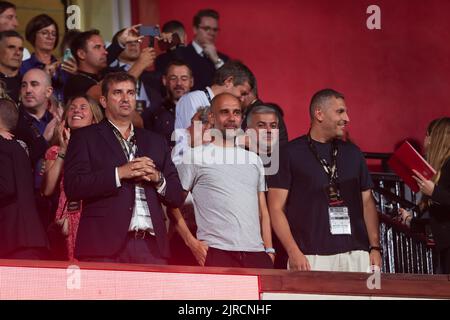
(23, 279)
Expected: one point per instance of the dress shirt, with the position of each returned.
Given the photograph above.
(201, 52)
(141, 218)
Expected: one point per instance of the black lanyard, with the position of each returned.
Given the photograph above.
(132, 147)
(33, 127)
(89, 77)
(208, 96)
(331, 171)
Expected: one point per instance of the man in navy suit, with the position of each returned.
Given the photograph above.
(201, 54)
(121, 173)
(22, 235)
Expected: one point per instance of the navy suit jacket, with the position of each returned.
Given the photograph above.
(20, 225)
(89, 175)
(203, 68)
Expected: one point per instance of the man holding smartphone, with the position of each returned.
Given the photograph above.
(148, 97)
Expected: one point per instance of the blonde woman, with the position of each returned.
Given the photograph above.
(80, 112)
(436, 192)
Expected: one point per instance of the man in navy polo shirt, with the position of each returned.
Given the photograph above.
(320, 201)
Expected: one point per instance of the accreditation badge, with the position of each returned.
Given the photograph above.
(339, 220)
(141, 105)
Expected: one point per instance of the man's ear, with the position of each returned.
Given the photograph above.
(228, 83)
(49, 92)
(318, 114)
(102, 101)
(81, 54)
(164, 80)
(211, 119)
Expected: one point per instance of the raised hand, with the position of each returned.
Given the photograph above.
(147, 57)
(50, 129)
(211, 52)
(51, 68)
(130, 34)
(70, 66)
(425, 185)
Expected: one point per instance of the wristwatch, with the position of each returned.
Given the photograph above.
(218, 63)
(270, 250)
(160, 181)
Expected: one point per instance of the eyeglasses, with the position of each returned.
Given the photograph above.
(208, 29)
(47, 33)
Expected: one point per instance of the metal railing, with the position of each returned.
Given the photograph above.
(402, 250)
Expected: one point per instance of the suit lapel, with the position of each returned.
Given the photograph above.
(111, 140)
(142, 145)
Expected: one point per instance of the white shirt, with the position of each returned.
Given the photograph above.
(188, 105)
(198, 49)
(26, 54)
(141, 219)
(186, 108)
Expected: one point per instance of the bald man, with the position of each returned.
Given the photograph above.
(36, 122)
(227, 184)
(36, 126)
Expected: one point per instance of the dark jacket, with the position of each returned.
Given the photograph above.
(89, 175)
(203, 68)
(20, 225)
(440, 209)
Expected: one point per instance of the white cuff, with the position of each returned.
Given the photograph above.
(219, 63)
(118, 185)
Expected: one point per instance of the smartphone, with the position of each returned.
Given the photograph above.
(67, 55)
(150, 31)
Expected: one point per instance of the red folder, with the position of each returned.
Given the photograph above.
(404, 160)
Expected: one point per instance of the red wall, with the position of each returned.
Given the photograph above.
(395, 79)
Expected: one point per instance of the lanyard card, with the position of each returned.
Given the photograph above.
(339, 220)
(141, 105)
(73, 206)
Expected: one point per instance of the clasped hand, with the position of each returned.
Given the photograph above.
(139, 169)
